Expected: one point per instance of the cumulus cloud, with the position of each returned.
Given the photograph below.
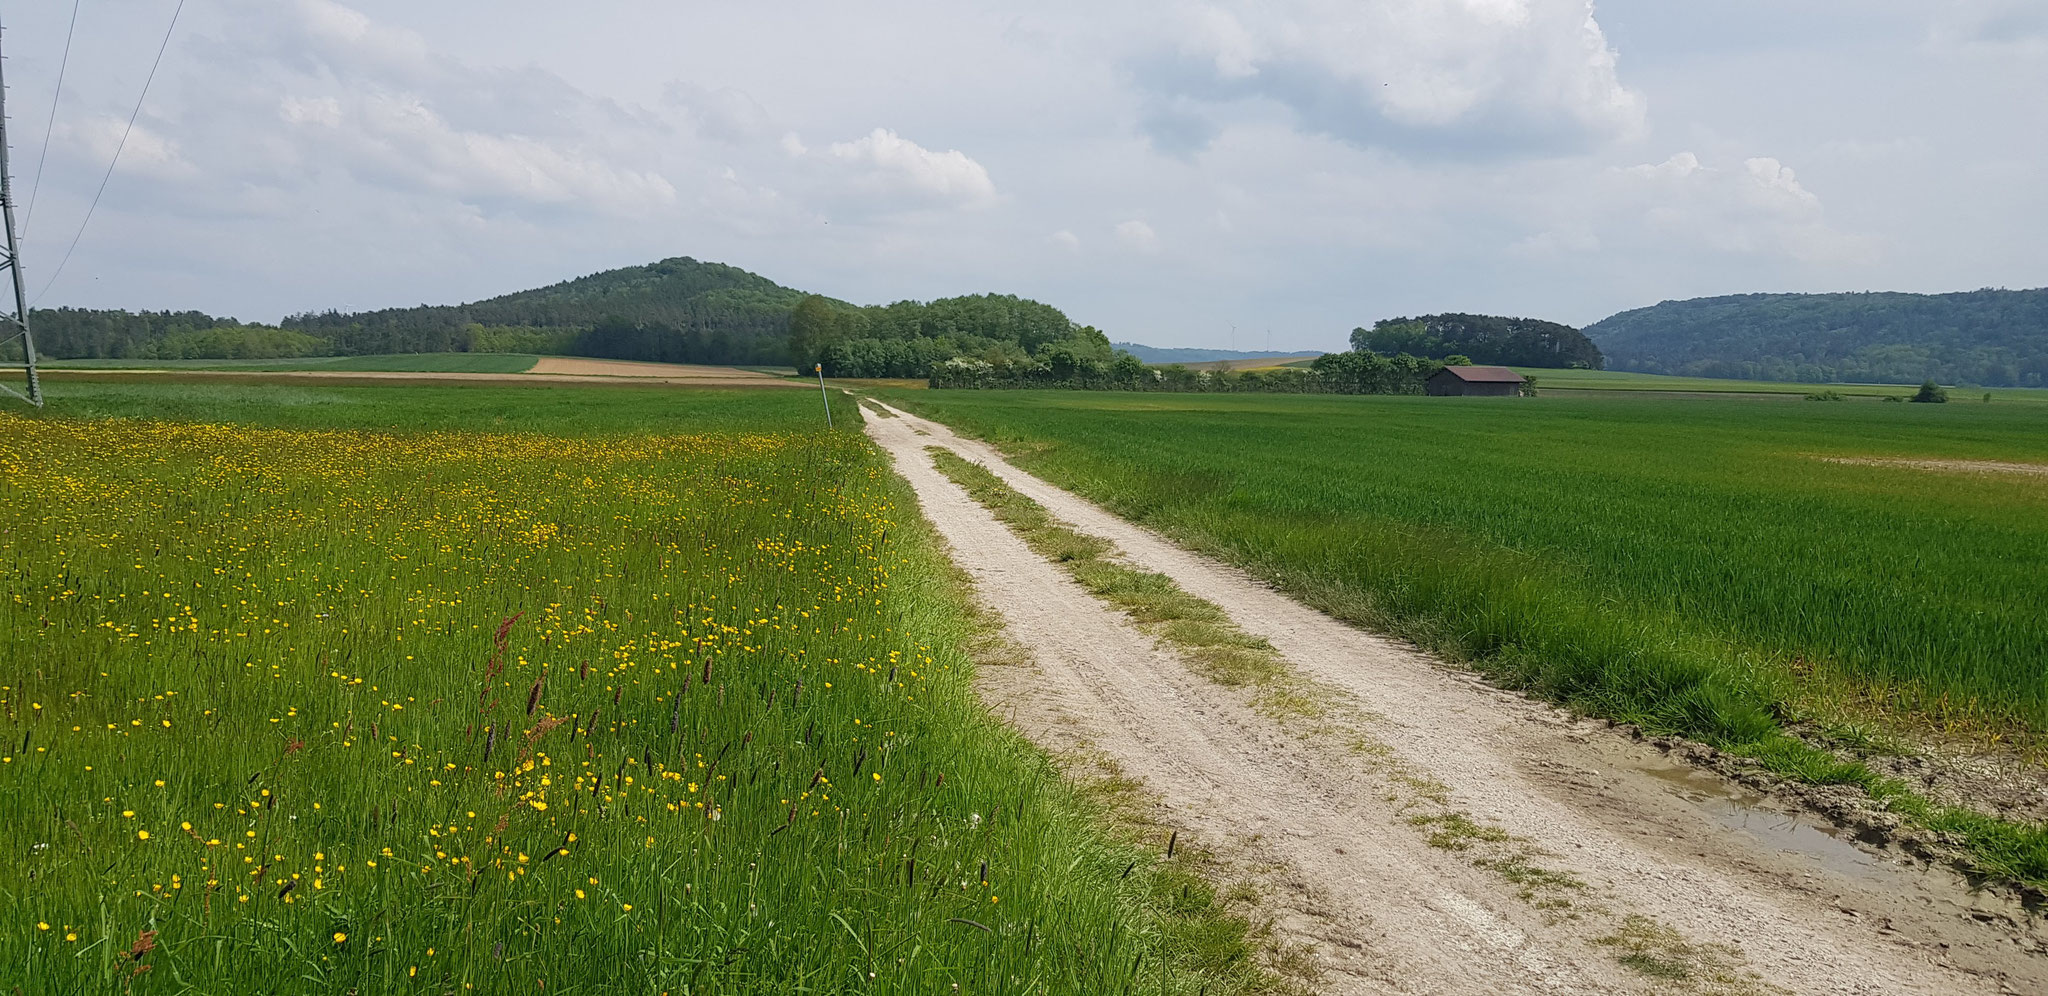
(1473, 77)
(1136, 234)
(146, 153)
(890, 165)
(401, 139)
(1758, 207)
(1992, 22)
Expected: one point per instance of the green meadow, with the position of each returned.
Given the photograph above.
(523, 689)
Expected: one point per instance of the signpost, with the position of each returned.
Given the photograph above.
(820, 368)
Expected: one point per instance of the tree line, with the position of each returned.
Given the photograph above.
(1485, 339)
(912, 338)
(1355, 372)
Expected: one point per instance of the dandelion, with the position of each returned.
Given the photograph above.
(340, 937)
(141, 835)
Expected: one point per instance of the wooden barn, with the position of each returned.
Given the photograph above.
(1489, 382)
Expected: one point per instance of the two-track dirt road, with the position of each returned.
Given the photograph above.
(1627, 872)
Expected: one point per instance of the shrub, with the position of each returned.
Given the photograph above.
(1930, 393)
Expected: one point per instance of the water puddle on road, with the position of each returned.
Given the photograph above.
(1737, 809)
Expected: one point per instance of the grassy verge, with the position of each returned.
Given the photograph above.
(1686, 566)
(495, 709)
(1216, 646)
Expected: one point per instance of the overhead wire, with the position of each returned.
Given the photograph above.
(118, 149)
(50, 129)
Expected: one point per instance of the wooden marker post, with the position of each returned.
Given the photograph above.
(823, 395)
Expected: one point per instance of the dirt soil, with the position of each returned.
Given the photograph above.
(666, 372)
(549, 370)
(1950, 466)
(1433, 834)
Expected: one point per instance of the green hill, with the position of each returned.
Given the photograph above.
(1994, 338)
(677, 310)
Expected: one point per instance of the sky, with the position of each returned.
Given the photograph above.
(1243, 174)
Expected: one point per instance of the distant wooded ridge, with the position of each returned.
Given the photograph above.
(688, 311)
(1993, 338)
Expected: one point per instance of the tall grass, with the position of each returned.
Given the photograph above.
(334, 710)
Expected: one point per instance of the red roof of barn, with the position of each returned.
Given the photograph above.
(1485, 375)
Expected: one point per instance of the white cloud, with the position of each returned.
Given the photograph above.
(2016, 23)
(1465, 76)
(894, 164)
(1065, 239)
(1568, 240)
(95, 141)
(1760, 208)
(401, 139)
(1137, 235)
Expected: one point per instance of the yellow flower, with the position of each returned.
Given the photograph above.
(141, 835)
(42, 926)
(339, 937)
(537, 804)
(579, 893)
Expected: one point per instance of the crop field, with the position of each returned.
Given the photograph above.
(1705, 567)
(450, 690)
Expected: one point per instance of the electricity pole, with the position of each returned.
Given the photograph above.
(11, 262)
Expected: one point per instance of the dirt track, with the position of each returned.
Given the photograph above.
(1670, 871)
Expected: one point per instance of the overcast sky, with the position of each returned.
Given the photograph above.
(1162, 170)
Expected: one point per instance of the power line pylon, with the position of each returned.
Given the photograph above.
(15, 326)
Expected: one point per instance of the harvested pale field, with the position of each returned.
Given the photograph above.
(583, 366)
(548, 370)
(1249, 363)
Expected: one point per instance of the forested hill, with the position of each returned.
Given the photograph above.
(678, 310)
(1995, 338)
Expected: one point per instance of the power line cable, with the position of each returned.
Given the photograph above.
(50, 129)
(118, 149)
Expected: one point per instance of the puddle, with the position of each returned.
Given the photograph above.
(1738, 809)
